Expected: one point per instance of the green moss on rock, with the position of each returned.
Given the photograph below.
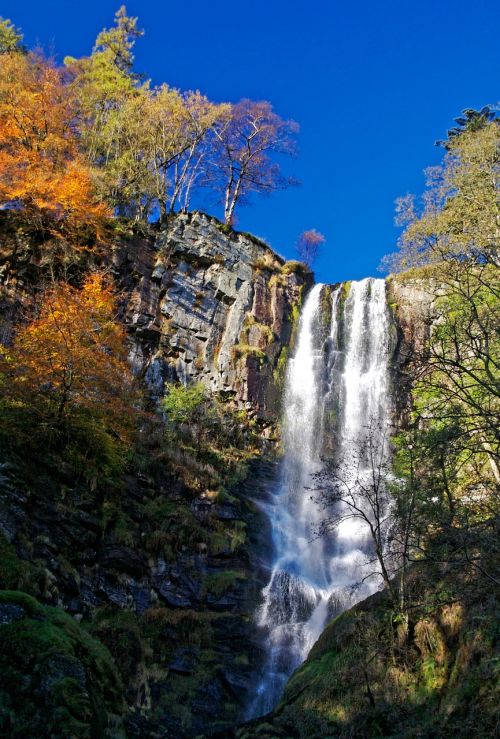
(55, 679)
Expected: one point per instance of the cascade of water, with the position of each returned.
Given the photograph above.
(312, 578)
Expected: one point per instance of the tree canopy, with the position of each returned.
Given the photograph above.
(42, 168)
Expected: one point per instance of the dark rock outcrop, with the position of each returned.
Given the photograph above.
(212, 306)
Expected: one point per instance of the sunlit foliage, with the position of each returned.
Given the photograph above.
(459, 213)
(66, 378)
(41, 168)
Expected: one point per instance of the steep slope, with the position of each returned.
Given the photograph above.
(367, 676)
(163, 565)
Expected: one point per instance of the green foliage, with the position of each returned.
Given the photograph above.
(452, 449)
(447, 459)
(118, 42)
(458, 216)
(10, 37)
(183, 403)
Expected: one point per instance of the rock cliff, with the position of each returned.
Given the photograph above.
(162, 572)
(208, 304)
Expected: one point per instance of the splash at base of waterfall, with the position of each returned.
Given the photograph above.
(341, 375)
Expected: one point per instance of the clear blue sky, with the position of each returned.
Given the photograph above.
(372, 85)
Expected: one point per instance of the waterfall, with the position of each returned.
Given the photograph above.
(336, 386)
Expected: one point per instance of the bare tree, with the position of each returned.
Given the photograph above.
(309, 245)
(246, 140)
(360, 489)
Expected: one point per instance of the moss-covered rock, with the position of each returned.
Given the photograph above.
(55, 679)
(367, 676)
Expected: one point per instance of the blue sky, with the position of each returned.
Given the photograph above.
(372, 85)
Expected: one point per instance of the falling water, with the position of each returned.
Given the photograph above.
(336, 383)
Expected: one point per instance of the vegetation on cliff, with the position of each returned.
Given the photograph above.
(421, 658)
(368, 676)
(56, 680)
(126, 531)
(104, 138)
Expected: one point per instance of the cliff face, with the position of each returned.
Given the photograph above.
(167, 575)
(411, 304)
(164, 573)
(205, 305)
(200, 302)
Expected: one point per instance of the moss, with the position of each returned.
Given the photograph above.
(344, 293)
(326, 307)
(16, 573)
(279, 372)
(220, 582)
(264, 330)
(174, 524)
(277, 280)
(25, 601)
(55, 679)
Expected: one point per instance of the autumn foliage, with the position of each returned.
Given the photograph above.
(96, 132)
(67, 369)
(41, 167)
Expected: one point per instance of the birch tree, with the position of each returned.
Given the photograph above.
(247, 139)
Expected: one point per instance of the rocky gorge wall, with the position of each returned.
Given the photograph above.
(164, 575)
(203, 303)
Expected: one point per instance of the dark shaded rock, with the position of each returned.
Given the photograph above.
(116, 593)
(124, 559)
(184, 662)
(227, 512)
(142, 598)
(10, 612)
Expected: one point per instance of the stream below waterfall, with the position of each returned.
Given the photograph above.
(336, 390)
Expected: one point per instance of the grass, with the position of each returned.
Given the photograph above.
(241, 351)
(263, 329)
(293, 266)
(221, 582)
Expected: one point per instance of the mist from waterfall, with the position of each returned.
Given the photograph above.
(336, 386)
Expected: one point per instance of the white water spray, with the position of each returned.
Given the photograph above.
(344, 373)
